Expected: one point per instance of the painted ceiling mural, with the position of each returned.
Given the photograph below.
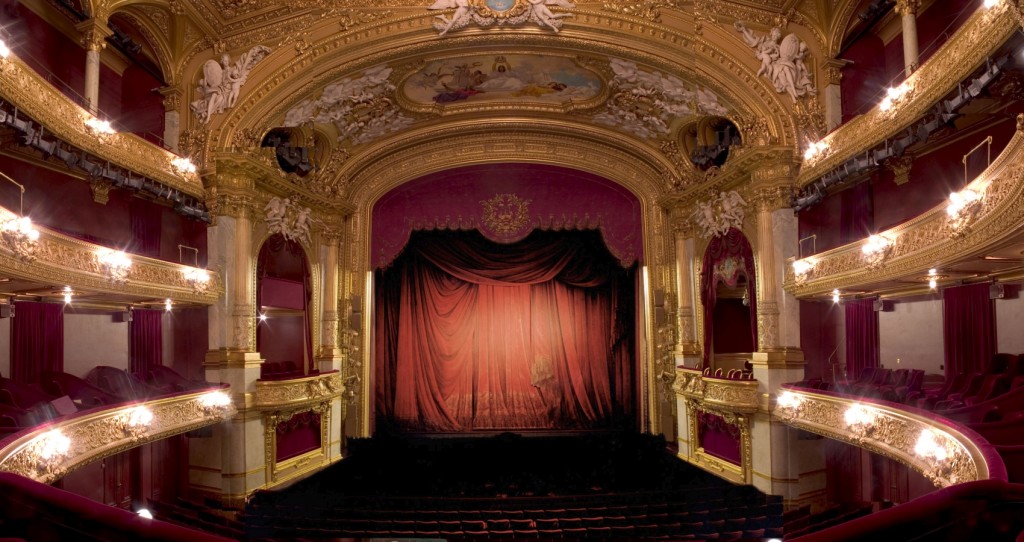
(636, 100)
(502, 77)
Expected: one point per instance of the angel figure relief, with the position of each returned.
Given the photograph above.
(488, 12)
(782, 62)
(222, 82)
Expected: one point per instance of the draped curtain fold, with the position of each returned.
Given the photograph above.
(477, 335)
(969, 332)
(727, 258)
(37, 340)
(147, 339)
(861, 337)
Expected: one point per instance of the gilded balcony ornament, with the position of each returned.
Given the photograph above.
(197, 279)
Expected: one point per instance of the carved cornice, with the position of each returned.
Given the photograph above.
(94, 33)
(921, 242)
(106, 432)
(907, 7)
(737, 171)
(59, 259)
(26, 90)
(976, 40)
(891, 432)
(297, 392)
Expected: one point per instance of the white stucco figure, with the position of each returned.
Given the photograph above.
(221, 83)
(543, 16)
(782, 62)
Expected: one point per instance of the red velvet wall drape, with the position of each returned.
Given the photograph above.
(146, 337)
(37, 340)
(861, 336)
(969, 330)
(476, 335)
(727, 258)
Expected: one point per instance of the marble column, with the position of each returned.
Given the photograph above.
(907, 9)
(833, 95)
(330, 355)
(231, 464)
(172, 117)
(688, 348)
(94, 33)
(781, 463)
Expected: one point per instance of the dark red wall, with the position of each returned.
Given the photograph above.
(818, 338)
(732, 327)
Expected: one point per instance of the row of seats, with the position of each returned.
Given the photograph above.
(800, 521)
(57, 393)
(732, 374)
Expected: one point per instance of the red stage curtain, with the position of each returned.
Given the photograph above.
(37, 340)
(861, 337)
(476, 335)
(969, 330)
(146, 337)
(727, 258)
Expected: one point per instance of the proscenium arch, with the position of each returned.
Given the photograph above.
(625, 167)
(406, 39)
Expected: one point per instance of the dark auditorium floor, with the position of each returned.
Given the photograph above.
(607, 485)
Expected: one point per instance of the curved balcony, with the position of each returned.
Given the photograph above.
(48, 452)
(738, 396)
(48, 256)
(980, 37)
(33, 96)
(944, 451)
(990, 219)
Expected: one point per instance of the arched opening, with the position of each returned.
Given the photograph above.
(283, 294)
(506, 300)
(707, 141)
(729, 297)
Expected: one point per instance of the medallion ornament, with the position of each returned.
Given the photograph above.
(506, 214)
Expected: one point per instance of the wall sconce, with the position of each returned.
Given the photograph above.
(928, 447)
(18, 233)
(816, 150)
(802, 268)
(115, 263)
(99, 128)
(860, 419)
(4, 50)
(933, 278)
(197, 279)
(876, 249)
(964, 207)
(67, 295)
(789, 400)
(835, 296)
(47, 451)
(989, 4)
(895, 95)
(183, 166)
(214, 400)
(167, 304)
(135, 421)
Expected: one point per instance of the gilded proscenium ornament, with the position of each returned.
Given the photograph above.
(649, 9)
(893, 433)
(103, 433)
(37, 99)
(978, 39)
(722, 394)
(927, 239)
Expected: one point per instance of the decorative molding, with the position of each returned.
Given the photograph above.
(900, 168)
(297, 392)
(283, 471)
(30, 93)
(983, 33)
(718, 215)
(36, 454)
(648, 9)
(891, 432)
(487, 13)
